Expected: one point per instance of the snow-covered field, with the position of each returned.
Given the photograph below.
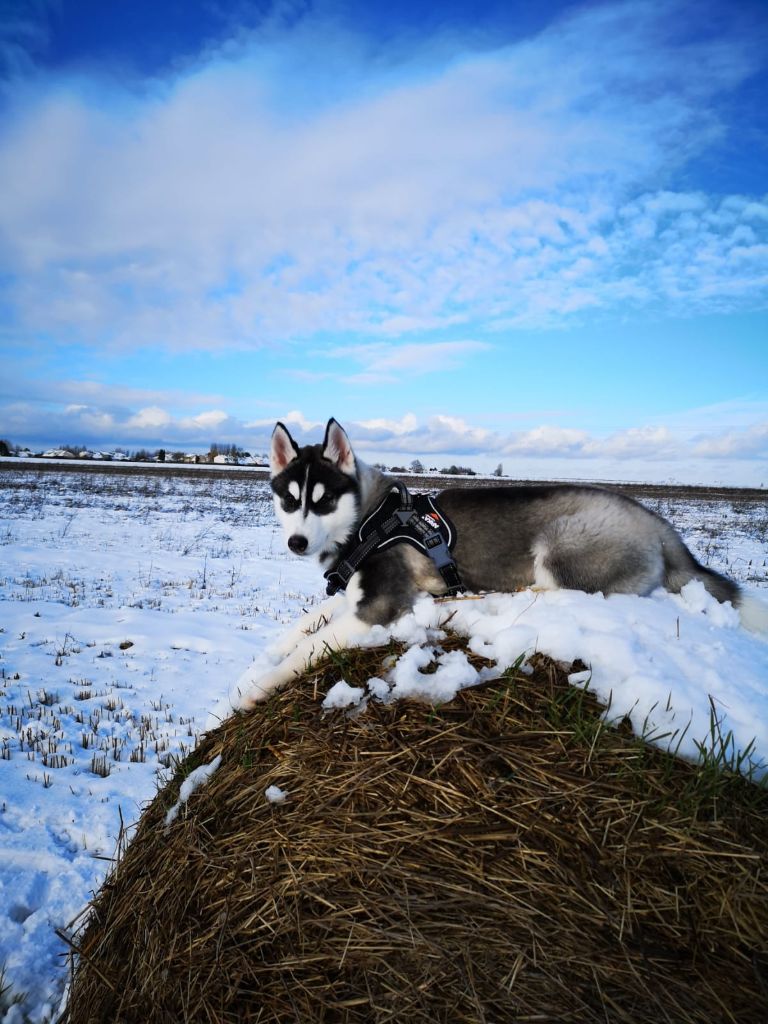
(130, 604)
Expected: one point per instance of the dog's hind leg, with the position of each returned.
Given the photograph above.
(611, 568)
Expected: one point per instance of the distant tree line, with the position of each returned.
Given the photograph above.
(418, 467)
(231, 453)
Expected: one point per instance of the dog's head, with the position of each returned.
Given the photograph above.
(315, 489)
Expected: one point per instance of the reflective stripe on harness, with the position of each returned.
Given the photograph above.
(400, 517)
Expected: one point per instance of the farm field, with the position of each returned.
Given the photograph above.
(130, 601)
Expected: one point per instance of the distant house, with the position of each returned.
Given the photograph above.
(58, 453)
(225, 460)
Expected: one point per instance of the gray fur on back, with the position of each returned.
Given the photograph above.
(576, 537)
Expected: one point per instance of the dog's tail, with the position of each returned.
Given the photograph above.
(680, 567)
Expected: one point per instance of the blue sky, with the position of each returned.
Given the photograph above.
(505, 232)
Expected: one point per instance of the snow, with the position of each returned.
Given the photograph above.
(659, 661)
(342, 695)
(453, 669)
(196, 778)
(663, 661)
(275, 795)
(130, 604)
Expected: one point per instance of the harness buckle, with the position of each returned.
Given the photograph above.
(345, 570)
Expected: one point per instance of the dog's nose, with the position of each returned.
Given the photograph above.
(298, 544)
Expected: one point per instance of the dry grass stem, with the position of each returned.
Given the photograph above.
(503, 857)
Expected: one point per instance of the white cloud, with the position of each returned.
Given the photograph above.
(736, 415)
(210, 420)
(96, 421)
(22, 32)
(651, 442)
(385, 361)
(116, 397)
(294, 419)
(658, 452)
(546, 440)
(151, 418)
(387, 428)
(409, 435)
(749, 443)
(514, 185)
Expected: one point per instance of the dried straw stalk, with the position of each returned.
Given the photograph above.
(504, 857)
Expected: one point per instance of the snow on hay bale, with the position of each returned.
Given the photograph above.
(501, 857)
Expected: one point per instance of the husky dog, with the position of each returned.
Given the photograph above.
(548, 536)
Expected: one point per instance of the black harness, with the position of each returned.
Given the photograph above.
(401, 516)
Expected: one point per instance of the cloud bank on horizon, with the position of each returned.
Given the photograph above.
(733, 457)
(379, 222)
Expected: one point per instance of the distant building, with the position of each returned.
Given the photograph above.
(58, 453)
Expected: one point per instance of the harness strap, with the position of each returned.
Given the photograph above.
(400, 517)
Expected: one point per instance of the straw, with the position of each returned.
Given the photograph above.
(503, 857)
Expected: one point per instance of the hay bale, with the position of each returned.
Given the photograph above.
(503, 857)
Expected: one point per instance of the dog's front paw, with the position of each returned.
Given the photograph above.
(282, 648)
(254, 688)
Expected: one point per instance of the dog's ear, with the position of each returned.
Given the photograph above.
(284, 449)
(337, 449)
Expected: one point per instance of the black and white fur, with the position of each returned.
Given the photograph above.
(548, 536)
